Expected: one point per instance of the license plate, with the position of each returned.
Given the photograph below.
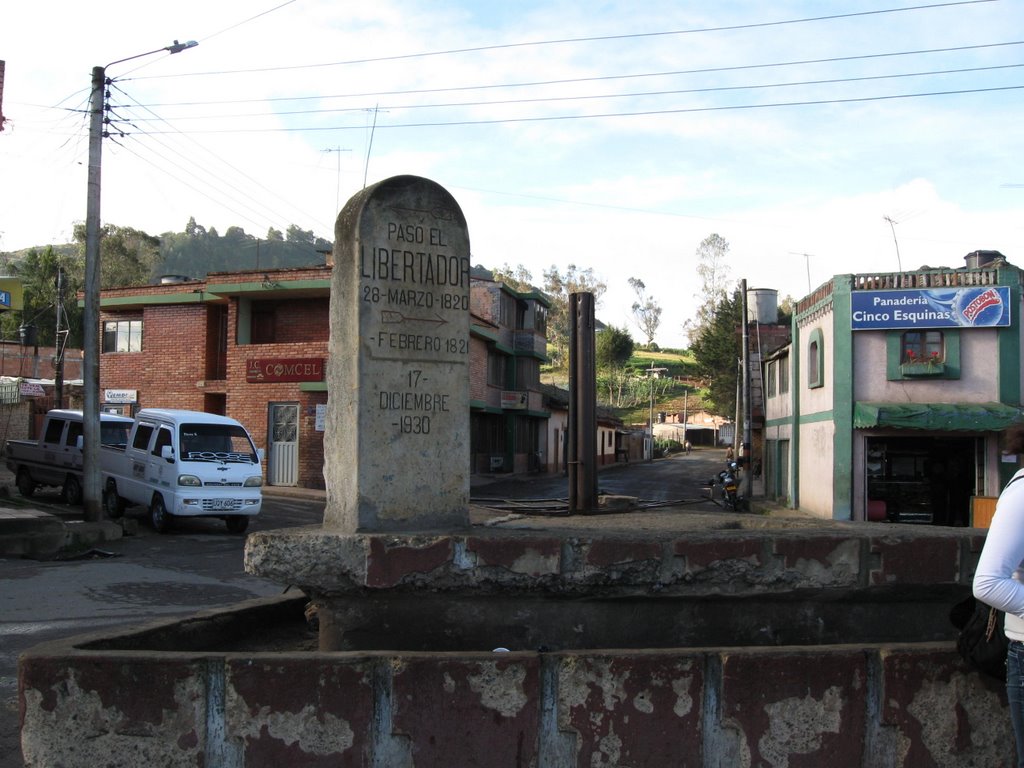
(222, 504)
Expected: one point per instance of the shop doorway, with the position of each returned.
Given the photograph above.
(922, 479)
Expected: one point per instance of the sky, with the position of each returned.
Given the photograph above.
(817, 138)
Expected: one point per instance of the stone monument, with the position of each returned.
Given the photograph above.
(396, 449)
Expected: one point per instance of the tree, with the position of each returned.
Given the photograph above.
(518, 278)
(129, 256)
(559, 286)
(717, 351)
(612, 347)
(713, 273)
(194, 230)
(296, 235)
(645, 310)
(38, 274)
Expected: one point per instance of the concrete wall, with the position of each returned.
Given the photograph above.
(870, 706)
(667, 648)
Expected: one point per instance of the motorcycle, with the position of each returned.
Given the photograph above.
(729, 481)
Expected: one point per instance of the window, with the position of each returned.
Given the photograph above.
(922, 347)
(816, 359)
(54, 429)
(263, 322)
(783, 374)
(521, 315)
(122, 336)
(142, 435)
(921, 355)
(507, 309)
(74, 432)
(527, 373)
(163, 437)
(540, 319)
(772, 377)
(495, 368)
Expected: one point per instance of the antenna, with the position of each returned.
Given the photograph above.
(807, 261)
(892, 226)
(369, 147)
(337, 186)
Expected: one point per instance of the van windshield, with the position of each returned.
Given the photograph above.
(216, 442)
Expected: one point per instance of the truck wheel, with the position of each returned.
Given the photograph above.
(158, 514)
(113, 505)
(72, 491)
(237, 523)
(26, 485)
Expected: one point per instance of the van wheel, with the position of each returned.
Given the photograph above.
(237, 523)
(72, 491)
(113, 505)
(158, 515)
(26, 485)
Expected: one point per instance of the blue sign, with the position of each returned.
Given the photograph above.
(973, 307)
(5, 299)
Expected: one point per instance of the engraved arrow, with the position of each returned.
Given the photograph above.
(391, 316)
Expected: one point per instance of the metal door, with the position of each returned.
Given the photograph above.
(283, 458)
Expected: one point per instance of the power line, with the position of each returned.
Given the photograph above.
(595, 97)
(605, 115)
(596, 38)
(598, 78)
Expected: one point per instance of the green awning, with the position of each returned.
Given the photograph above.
(970, 417)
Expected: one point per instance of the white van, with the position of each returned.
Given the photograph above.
(184, 464)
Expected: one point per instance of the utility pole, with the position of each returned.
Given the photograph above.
(747, 413)
(92, 494)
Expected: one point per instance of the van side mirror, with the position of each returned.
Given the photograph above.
(167, 453)
(79, 442)
(261, 454)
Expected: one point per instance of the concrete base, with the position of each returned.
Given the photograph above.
(118, 701)
(726, 648)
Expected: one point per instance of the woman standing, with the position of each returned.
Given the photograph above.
(998, 581)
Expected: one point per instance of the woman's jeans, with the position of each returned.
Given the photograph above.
(1015, 694)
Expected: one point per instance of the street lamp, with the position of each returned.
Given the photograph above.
(91, 491)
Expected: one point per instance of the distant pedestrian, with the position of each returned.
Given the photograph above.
(687, 446)
(728, 454)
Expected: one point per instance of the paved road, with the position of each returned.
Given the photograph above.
(680, 478)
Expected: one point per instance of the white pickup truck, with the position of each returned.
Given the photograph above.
(55, 459)
(184, 464)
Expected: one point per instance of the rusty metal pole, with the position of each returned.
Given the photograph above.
(572, 454)
(583, 403)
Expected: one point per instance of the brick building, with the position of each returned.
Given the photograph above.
(253, 345)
